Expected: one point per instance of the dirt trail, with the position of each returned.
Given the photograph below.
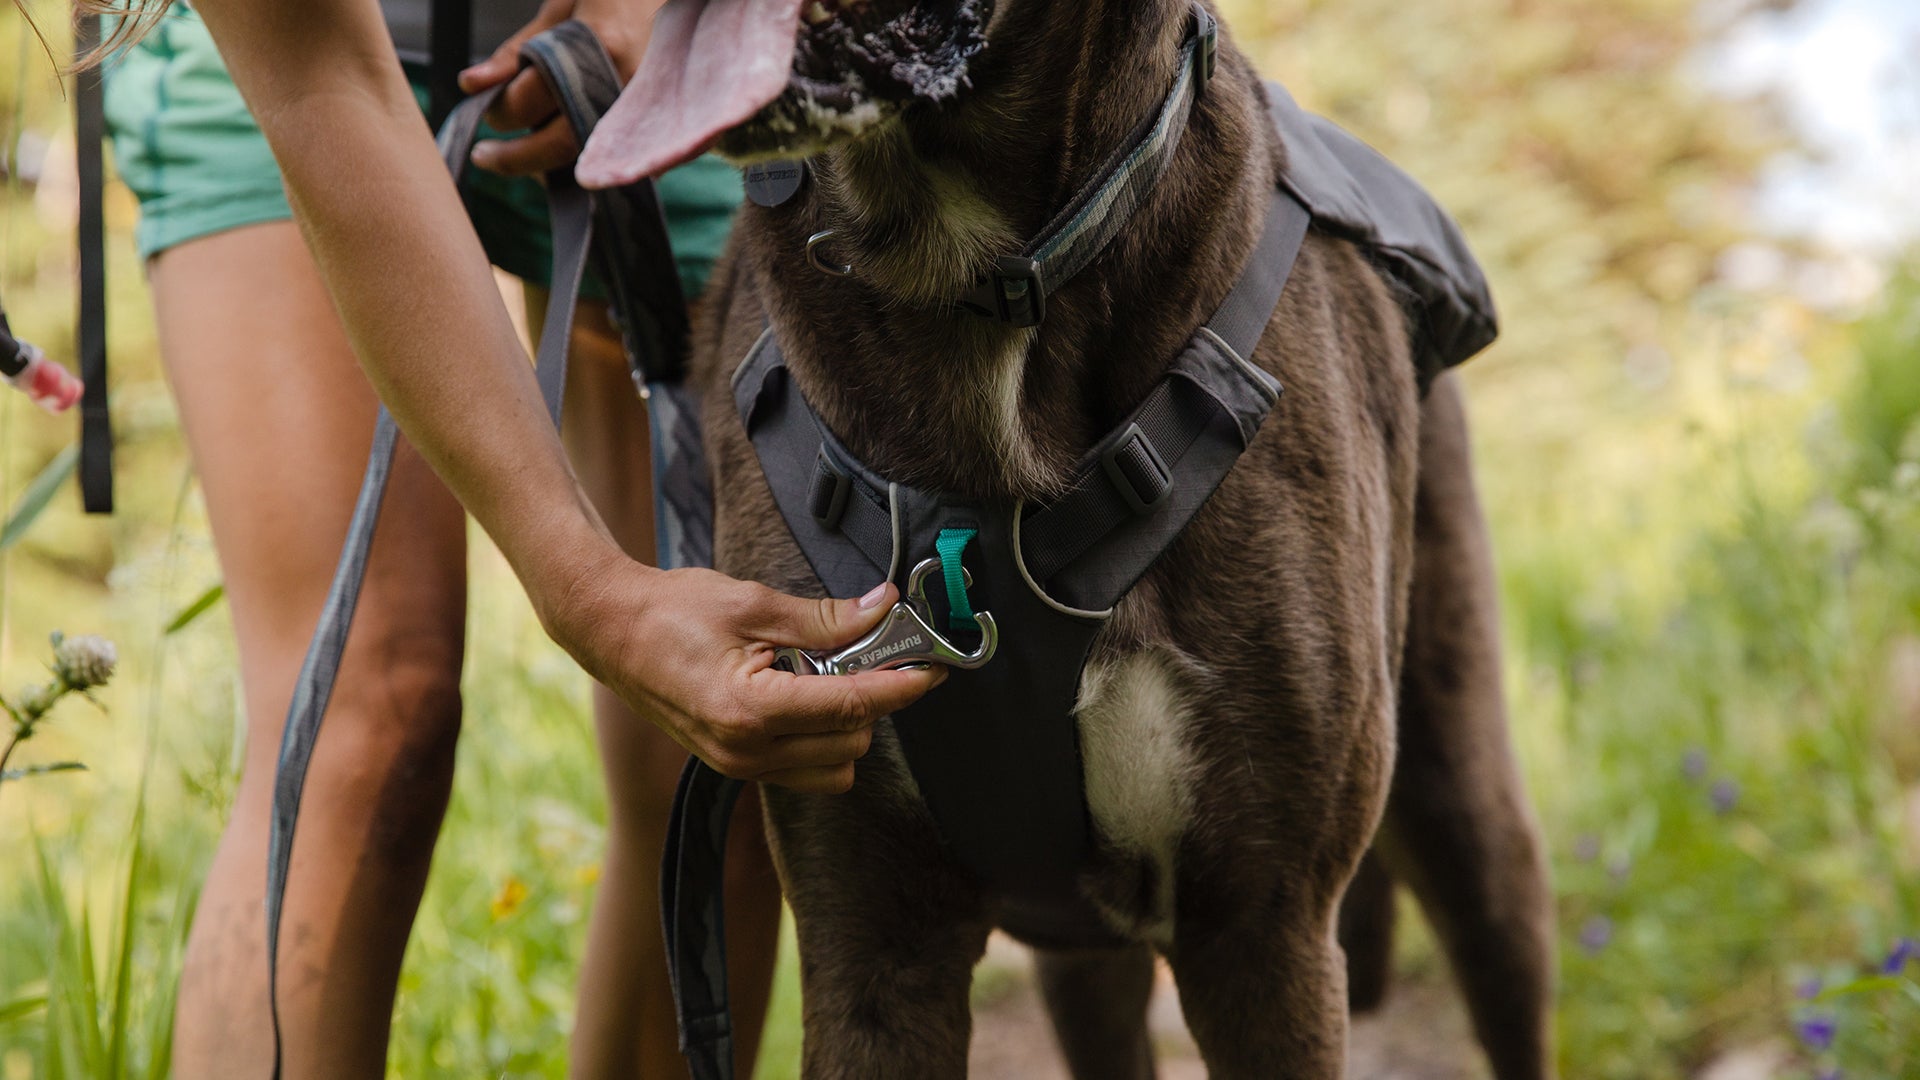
(1421, 1035)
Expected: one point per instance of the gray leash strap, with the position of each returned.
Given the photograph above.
(563, 56)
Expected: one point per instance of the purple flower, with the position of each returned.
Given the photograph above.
(1829, 1073)
(1809, 988)
(1694, 765)
(1596, 934)
(1816, 1031)
(1904, 952)
(1724, 796)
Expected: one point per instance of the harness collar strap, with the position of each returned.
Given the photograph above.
(1015, 292)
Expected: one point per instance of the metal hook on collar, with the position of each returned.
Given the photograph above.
(818, 259)
(904, 638)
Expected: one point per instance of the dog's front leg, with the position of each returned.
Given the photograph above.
(889, 928)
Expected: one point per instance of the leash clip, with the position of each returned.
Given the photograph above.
(905, 638)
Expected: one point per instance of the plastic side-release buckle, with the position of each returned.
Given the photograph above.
(1018, 291)
(1206, 52)
(827, 499)
(1138, 471)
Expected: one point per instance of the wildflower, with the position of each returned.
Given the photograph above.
(1596, 934)
(1832, 1072)
(34, 699)
(1694, 765)
(85, 661)
(1724, 796)
(512, 894)
(1586, 847)
(1904, 951)
(1816, 1031)
(1809, 988)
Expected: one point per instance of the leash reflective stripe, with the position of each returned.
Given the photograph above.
(580, 73)
(1016, 290)
(96, 429)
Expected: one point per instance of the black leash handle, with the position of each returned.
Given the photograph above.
(583, 78)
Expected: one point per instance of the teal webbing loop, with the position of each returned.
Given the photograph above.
(950, 545)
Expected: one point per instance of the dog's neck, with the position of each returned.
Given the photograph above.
(944, 400)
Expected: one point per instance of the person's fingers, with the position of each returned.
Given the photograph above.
(526, 103)
(815, 704)
(530, 155)
(837, 780)
(819, 751)
(780, 619)
(505, 60)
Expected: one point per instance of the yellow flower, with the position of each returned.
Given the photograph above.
(512, 895)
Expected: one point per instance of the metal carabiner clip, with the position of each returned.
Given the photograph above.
(905, 638)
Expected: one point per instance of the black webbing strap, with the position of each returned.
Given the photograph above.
(1137, 467)
(89, 133)
(1016, 290)
(693, 916)
(561, 56)
(450, 50)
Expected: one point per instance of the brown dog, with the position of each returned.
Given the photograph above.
(1239, 721)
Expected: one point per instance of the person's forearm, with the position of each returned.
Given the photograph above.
(407, 273)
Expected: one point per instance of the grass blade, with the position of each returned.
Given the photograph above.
(34, 500)
(21, 1008)
(42, 770)
(196, 609)
(121, 971)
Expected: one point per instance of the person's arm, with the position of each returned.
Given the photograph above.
(687, 648)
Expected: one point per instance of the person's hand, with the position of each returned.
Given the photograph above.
(693, 651)
(528, 105)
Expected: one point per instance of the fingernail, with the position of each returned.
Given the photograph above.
(872, 600)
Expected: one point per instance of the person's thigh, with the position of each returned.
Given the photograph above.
(279, 420)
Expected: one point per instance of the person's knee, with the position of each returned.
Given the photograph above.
(394, 724)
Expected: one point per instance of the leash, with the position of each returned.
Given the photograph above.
(633, 253)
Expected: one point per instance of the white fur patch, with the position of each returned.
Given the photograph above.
(1140, 771)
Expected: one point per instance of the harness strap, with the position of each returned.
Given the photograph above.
(561, 55)
(96, 429)
(1212, 386)
(1016, 290)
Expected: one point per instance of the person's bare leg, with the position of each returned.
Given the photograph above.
(279, 420)
(625, 1026)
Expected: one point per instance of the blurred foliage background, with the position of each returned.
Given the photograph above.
(1699, 449)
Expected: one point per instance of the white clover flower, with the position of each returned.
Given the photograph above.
(85, 661)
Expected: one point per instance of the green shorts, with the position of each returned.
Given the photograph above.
(186, 145)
